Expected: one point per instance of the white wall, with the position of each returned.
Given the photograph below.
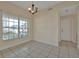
(46, 27)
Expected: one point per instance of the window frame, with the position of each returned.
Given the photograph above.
(18, 18)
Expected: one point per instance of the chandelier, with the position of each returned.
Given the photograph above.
(33, 9)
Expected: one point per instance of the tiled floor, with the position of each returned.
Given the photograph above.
(35, 49)
(67, 43)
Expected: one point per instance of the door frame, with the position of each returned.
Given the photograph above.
(59, 33)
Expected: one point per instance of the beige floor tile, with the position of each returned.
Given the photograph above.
(34, 54)
(22, 54)
(10, 56)
(54, 51)
(73, 53)
(52, 56)
(1, 56)
(6, 52)
(63, 52)
(41, 56)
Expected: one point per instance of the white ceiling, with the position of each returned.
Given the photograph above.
(40, 4)
(46, 4)
(69, 10)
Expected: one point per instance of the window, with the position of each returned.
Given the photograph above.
(12, 28)
(23, 28)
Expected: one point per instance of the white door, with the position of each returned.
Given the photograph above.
(66, 29)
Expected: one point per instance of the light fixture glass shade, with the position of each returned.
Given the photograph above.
(29, 9)
(32, 11)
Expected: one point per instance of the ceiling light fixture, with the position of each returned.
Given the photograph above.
(33, 9)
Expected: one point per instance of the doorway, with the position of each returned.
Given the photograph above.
(68, 30)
